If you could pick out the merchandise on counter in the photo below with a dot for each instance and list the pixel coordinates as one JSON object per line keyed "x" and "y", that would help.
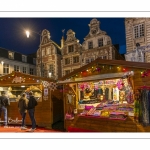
{"x": 88, "y": 107}
{"x": 117, "y": 115}
{"x": 91, "y": 111}
{"x": 97, "y": 113}
{"x": 104, "y": 114}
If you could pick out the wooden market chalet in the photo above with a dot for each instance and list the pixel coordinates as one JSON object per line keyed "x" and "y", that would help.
{"x": 45, "y": 91}
{"x": 107, "y": 96}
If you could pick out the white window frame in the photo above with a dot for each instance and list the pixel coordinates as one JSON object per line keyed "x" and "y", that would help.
{"x": 5, "y": 68}
{"x": 24, "y": 69}
{"x": 16, "y": 68}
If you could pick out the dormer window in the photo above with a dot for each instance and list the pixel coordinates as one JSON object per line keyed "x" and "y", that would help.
{"x": 70, "y": 48}
{"x": 24, "y": 58}
{"x": 100, "y": 42}
{"x": 90, "y": 45}
{"x": 11, "y": 55}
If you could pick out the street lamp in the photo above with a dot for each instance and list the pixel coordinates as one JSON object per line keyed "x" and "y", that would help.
{"x": 40, "y": 34}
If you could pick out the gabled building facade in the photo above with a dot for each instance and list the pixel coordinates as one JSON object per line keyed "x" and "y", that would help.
{"x": 138, "y": 32}
{"x": 59, "y": 61}
{"x": 97, "y": 44}
{"x": 48, "y": 57}
{"x": 71, "y": 53}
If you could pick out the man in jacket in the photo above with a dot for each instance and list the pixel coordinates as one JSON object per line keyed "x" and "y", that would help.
{"x": 22, "y": 106}
{"x": 4, "y": 102}
{"x": 31, "y": 109}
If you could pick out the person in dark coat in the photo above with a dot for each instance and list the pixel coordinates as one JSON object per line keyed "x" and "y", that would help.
{"x": 4, "y": 102}
{"x": 31, "y": 110}
{"x": 22, "y": 106}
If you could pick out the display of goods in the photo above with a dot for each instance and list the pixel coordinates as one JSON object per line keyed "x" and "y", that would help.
{"x": 117, "y": 115}
{"x": 88, "y": 101}
{"x": 99, "y": 108}
{"x": 69, "y": 116}
{"x": 104, "y": 114}
{"x": 97, "y": 113}
{"x": 110, "y": 102}
{"x": 88, "y": 107}
{"x": 112, "y": 107}
{"x": 91, "y": 111}
{"x": 125, "y": 108}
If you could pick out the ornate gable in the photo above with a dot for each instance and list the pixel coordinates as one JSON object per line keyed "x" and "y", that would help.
{"x": 70, "y": 36}
{"x": 45, "y": 36}
{"x": 94, "y": 29}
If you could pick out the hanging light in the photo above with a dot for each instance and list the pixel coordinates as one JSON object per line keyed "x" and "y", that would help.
{"x": 27, "y": 33}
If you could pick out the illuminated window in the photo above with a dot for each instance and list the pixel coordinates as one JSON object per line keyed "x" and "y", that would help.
{"x": 51, "y": 69}
{"x": 11, "y": 55}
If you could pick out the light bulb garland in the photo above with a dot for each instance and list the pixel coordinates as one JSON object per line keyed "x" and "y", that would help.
{"x": 99, "y": 69}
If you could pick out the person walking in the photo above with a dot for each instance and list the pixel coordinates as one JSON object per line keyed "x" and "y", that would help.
{"x": 4, "y": 102}
{"x": 22, "y": 106}
{"x": 31, "y": 110}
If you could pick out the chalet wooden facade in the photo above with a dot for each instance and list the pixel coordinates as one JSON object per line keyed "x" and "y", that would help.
{"x": 98, "y": 72}
{"x": 48, "y": 98}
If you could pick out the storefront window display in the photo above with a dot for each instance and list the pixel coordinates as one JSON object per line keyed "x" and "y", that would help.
{"x": 106, "y": 98}
{"x": 15, "y": 92}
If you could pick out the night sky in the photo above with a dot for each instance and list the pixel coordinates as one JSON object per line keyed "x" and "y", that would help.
{"x": 12, "y": 31}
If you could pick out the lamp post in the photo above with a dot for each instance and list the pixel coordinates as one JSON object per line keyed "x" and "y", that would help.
{"x": 40, "y": 34}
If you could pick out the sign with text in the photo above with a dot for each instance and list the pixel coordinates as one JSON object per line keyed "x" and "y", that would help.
{"x": 45, "y": 91}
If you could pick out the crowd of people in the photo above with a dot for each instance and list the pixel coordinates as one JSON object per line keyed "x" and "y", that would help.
{"x": 24, "y": 105}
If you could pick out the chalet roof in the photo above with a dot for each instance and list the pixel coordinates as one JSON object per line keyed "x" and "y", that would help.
{"x": 7, "y": 80}
{"x": 123, "y": 63}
